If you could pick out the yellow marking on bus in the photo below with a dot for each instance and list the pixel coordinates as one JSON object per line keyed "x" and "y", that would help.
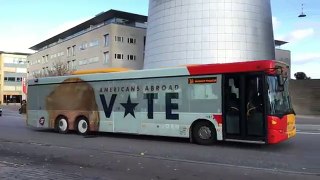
{"x": 291, "y": 128}
{"x": 105, "y": 70}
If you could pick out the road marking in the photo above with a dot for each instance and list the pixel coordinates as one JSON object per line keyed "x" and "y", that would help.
{"x": 309, "y": 133}
{"x": 128, "y": 154}
{"x": 314, "y": 125}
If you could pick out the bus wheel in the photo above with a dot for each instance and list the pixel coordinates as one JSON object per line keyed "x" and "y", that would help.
{"x": 62, "y": 125}
{"x": 204, "y": 133}
{"x": 83, "y": 126}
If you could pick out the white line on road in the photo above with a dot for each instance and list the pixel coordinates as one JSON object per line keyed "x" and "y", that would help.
{"x": 313, "y": 125}
{"x": 309, "y": 133}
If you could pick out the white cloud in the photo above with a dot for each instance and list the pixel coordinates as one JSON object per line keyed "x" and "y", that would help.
{"x": 304, "y": 58}
{"x": 298, "y": 35}
{"x": 275, "y": 23}
{"x": 17, "y": 39}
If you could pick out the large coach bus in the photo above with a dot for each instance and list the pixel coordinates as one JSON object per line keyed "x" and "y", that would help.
{"x": 244, "y": 101}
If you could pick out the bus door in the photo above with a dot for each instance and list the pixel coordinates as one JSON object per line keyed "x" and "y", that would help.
{"x": 244, "y": 112}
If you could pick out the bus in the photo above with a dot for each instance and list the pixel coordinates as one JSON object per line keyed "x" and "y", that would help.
{"x": 241, "y": 101}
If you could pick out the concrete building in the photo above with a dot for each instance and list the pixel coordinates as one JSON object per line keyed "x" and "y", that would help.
{"x": 13, "y": 69}
{"x": 282, "y": 54}
{"x": 212, "y": 31}
{"x": 110, "y": 39}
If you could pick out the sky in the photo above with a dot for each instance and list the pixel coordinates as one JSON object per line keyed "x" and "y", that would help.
{"x": 24, "y": 23}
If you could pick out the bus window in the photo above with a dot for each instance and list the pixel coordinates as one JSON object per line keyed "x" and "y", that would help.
{"x": 254, "y": 107}
{"x": 233, "y": 106}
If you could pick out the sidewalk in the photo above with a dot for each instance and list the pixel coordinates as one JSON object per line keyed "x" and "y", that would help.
{"x": 12, "y": 107}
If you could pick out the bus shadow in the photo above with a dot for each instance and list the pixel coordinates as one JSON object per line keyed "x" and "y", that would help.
{"x": 282, "y": 146}
{"x": 139, "y": 137}
{"x": 221, "y": 144}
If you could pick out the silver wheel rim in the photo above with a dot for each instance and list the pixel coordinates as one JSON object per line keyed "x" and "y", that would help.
{"x": 63, "y": 125}
{"x": 82, "y": 126}
{"x": 205, "y": 132}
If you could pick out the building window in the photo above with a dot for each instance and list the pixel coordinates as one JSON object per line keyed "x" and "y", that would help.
{"x": 131, "y": 57}
{"x": 68, "y": 52}
{"x": 106, "y": 57}
{"x": 11, "y": 79}
{"x": 73, "y": 50}
{"x": 19, "y": 79}
{"x": 131, "y": 40}
{"x": 73, "y": 65}
{"x": 118, "y": 56}
{"x": 93, "y": 43}
{"x": 118, "y": 38}
{"x": 69, "y": 65}
{"x": 106, "y": 40}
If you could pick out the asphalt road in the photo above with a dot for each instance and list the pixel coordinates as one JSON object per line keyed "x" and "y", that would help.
{"x": 26, "y": 153}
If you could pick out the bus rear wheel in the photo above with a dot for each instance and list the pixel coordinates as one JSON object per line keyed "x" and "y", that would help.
{"x": 204, "y": 133}
{"x": 62, "y": 125}
{"x": 83, "y": 126}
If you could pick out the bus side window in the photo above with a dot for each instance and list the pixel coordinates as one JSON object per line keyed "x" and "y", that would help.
{"x": 233, "y": 95}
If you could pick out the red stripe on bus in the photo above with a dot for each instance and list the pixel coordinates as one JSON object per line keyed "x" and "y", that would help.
{"x": 277, "y": 129}
{"x": 249, "y": 66}
{"x": 218, "y": 118}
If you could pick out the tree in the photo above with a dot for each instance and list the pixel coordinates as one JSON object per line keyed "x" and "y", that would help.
{"x": 58, "y": 69}
{"x": 301, "y": 76}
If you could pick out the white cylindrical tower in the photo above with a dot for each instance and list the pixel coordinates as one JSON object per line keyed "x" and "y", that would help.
{"x": 208, "y": 31}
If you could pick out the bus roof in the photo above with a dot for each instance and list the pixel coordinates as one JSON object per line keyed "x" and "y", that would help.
{"x": 193, "y": 70}
{"x": 248, "y": 66}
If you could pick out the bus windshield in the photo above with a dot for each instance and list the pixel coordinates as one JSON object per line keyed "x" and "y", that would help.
{"x": 278, "y": 97}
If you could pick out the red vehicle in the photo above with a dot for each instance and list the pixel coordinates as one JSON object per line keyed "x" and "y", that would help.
{"x": 256, "y": 101}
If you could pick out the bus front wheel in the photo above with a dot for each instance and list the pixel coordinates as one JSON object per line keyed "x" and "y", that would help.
{"x": 204, "y": 133}
{"x": 62, "y": 125}
{"x": 83, "y": 126}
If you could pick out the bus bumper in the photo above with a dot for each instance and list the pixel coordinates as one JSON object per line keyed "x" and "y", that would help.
{"x": 276, "y": 136}
{"x": 281, "y": 129}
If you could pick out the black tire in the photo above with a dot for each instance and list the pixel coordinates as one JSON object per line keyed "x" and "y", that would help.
{"x": 83, "y": 126}
{"x": 204, "y": 133}
{"x": 62, "y": 125}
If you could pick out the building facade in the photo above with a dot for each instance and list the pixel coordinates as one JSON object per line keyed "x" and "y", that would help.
{"x": 13, "y": 70}
{"x": 109, "y": 40}
{"x": 212, "y": 31}
{"x": 282, "y": 54}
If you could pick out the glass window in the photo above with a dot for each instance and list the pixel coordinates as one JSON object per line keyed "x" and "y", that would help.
{"x": 73, "y": 50}
{"x": 131, "y": 57}
{"x": 279, "y": 100}
{"x": 119, "y": 38}
{"x": 131, "y": 40}
{"x": 106, "y": 40}
{"x": 68, "y": 51}
{"x": 11, "y": 79}
{"x": 203, "y": 91}
{"x": 118, "y": 56}
{"x": 106, "y": 57}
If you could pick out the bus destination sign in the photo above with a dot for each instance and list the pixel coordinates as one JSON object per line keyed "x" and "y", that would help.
{"x": 202, "y": 80}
